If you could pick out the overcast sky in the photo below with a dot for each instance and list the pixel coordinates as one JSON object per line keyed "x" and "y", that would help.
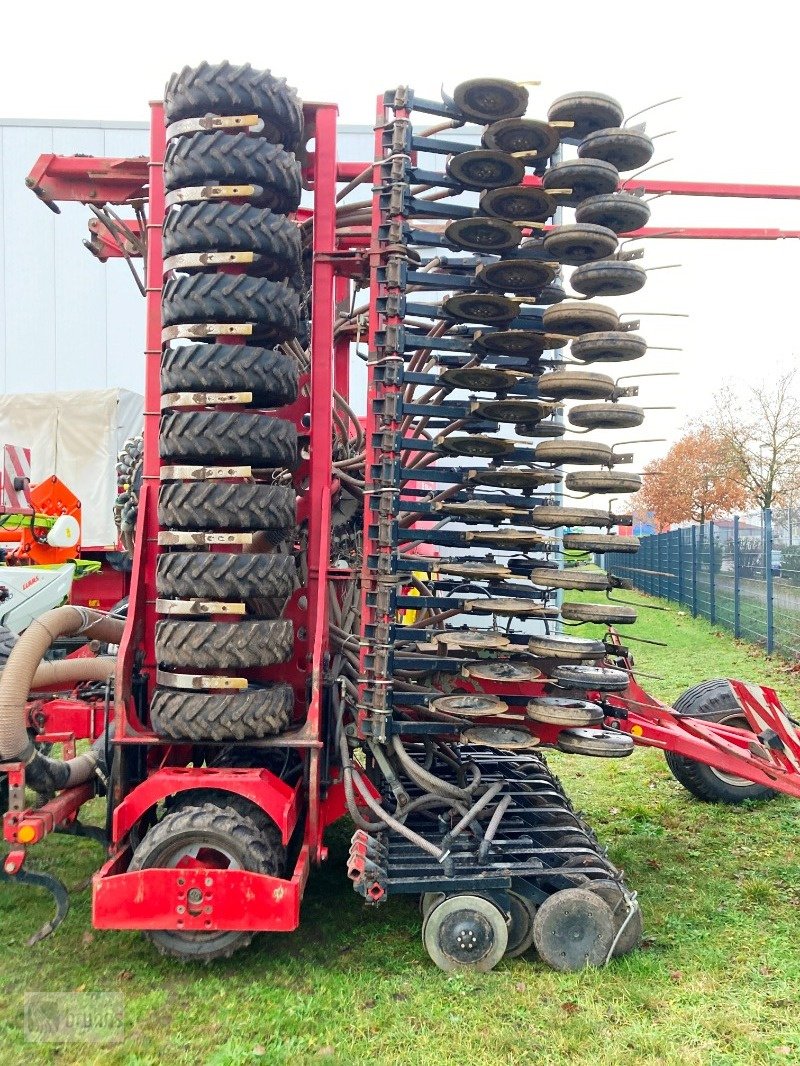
{"x": 734, "y": 66}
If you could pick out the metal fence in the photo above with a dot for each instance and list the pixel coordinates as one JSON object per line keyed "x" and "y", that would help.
{"x": 731, "y": 573}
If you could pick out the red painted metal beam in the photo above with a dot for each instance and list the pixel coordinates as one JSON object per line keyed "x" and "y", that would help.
{"x": 88, "y": 179}
{"x": 714, "y": 233}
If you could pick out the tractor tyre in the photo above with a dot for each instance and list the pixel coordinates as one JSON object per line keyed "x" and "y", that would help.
{"x": 223, "y": 645}
{"x": 221, "y": 158}
{"x": 226, "y": 89}
{"x": 272, "y": 307}
{"x": 713, "y": 701}
{"x": 254, "y": 714}
{"x": 225, "y": 577}
{"x": 269, "y": 375}
{"x": 219, "y": 797}
{"x": 228, "y": 438}
{"x": 208, "y": 505}
{"x": 226, "y": 227}
{"x": 226, "y": 840}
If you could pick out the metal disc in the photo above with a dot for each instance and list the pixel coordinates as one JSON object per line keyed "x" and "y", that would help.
{"x": 562, "y": 646}
{"x": 522, "y": 135}
{"x": 524, "y": 276}
{"x": 487, "y": 307}
{"x": 490, "y": 99}
{"x": 593, "y": 678}
{"x": 508, "y": 672}
{"x": 481, "y": 378}
{"x": 518, "y": 203}
{"x": 517, "y": 607}
{"x": 573, "y": 929}
{"x": 520, "y": 930}
{"x": 466, "y": 933}
{"x": 500, "y": 737}
{"x": 470, "y": 705}
{"x": 514, "y": 410}
{"x": 485, "y": 169}
{"x": 471, "y": 638}
{"x": 514, "y": 477}
{"x": 557, "y": 710}
{"x": 481, "y": 234}
{"x": 600, "y": 743}
{"x": 474, "y": 445}
{"x": 620, "y": 906}
{"x": 477, "y": 570}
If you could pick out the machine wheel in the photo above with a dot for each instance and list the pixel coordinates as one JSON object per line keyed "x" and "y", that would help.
{"x": 465, "y": 933}
{"x": 612, "y": 893}
{"x": 623, "y": 148}
{"x": 490, "y": 99}
{"x": 606, "y": 416}
{"x": 601, "y": 542}
{"x": 608, "y": 279}
{"x": 520, "y": 930}
{"x": 522, "y": 135}
{"x": 213, "y": 838}
{"x": 613, "y": 614}
{"x": 608, "y": 347}
{"x": 545, "y": 428}
{"x": 563, "y": 646}
{"x": 576, "y": 385}
{"x": 519, "y": 203}
{"x": 272, "y": 306}
{"x": 225, "y": 227}
{"x": 524, "y": 276}
{"x": 559, "y": 710}
{"x": 485, "y": 307}
{"x": 491, "y": 235}
{"x": 588, "y": 111}
{"x": 228, "y": 437}
{"x": 552, "y": 517}
{"x": 584, "y": 177}
{"x": 197, "y": 716}
{"x": 269, "y": 375}
{"x": 602, "y": 481}
{"x": 209, "y": 505}
{"x": 232, "y": 159}
{"x": 245, "y": 808}
{"x": 573, "y": 928}
{"x": 580, "y": 452}
{"x": 209, "y": 645}
{"x": 575, "y": 318}
{"x": 594, "y": 679}
{"x": 474, "y": 445}
{"x": 515, "y": 477}
{"x": 713, "y": 701}
{"x": 621, "y": 211}
{"x": 576, "y": 245}
{"x": 226, "y": 89}
{"x": 599, "y": 743}
{"x": 583, "y": 580}
{"x": 223, "y": 576}
{"x": 484, "y": 169}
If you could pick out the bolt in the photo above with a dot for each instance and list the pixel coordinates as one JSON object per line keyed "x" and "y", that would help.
{"x": 194, "y": 895}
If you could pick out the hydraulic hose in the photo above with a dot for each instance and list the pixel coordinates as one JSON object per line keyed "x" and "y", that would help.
{"x": 426, "y": 780}
{"x": 18, "y": 678}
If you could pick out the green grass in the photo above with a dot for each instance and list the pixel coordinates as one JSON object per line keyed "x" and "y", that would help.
{"x": 715, "y": 983}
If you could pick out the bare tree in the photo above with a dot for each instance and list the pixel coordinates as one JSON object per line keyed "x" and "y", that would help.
{"x": 761, "y": 426}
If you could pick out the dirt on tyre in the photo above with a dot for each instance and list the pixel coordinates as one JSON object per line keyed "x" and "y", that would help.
{"x": 713, "y": 701}
{"x": 223, "y": 645}
{"x": 208, "y": 505}
{"x": 272, "y": 308}
{"x": 225, "y": 577}
{"x": 206, "y": 159}
{"x": 269, "y": 375}
{"x": 225, "y": 227}
{"x": 223, "y": 839}
{"x": 228, "y": 437}
{"x": 254, "y": 714}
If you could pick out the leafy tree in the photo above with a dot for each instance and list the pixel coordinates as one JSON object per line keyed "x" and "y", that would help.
{"x": 761, "y": 428}
{"x": 694, "y": 482}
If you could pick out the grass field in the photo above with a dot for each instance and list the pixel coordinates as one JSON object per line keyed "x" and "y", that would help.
{"x": 715, "y": 983}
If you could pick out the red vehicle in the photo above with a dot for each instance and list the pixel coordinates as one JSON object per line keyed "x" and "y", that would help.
{"x": 265, "y": 684}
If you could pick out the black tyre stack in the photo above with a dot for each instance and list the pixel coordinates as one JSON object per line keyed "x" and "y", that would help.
{"x": 229, "y": 188}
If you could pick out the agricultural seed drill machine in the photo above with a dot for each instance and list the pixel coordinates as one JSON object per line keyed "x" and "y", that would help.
{"x": 329, "y": 616}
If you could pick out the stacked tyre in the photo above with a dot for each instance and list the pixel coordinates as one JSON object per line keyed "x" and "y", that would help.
{"x": 233, "y": 273}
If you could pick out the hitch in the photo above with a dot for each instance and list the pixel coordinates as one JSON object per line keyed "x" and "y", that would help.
{"x": 13, "y": 870}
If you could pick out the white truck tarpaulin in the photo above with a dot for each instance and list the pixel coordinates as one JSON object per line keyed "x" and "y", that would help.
{"x": 76, "y": 436}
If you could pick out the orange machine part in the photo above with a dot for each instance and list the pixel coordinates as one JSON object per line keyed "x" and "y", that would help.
{"x": 50, "y": 497}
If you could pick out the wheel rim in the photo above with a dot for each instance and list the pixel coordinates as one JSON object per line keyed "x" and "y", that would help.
{"x": 740, "y": 722}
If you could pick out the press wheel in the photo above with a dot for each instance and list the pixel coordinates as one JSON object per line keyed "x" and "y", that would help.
{"x": 488, "y": 169}
{"x": 518, "y": 203}
{"x": 621, "y": 212}
{"x": 575, "y": 318}
{"x": 608, "y": 278}
{"x": 483, "y": 235}
{"x": 558, "y": 710}
{"x": 474, "y": 445}
{"x": 522, "y": 135}
{"x": 575, "y": 245}
{"x": 465, "y": 933}
{"x": 490, "y": 99}
{"x": 587, "y": 111}
{"x": 520, "y": 930}
{"x": 606, "y": 416}
{"x": 484, "y": 307}
{"x": 620, "y": 906}
{"x": 524, "y": 276}
{"x": 510, "y": 477}
{"x": 573, "y": 929}
{"x": 470, "y": 705}
{"x": 626, "y": 149}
